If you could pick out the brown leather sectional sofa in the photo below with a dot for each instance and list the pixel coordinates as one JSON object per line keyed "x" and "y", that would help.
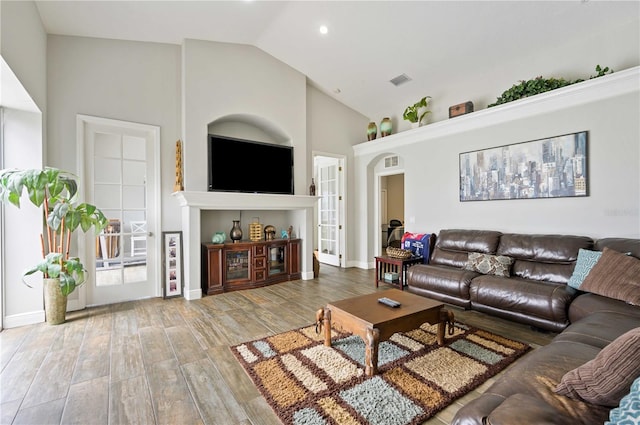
{"x": 535, "y": 294}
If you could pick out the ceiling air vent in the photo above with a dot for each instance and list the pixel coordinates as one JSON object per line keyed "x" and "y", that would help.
{"x": 391, "y": 161}
{"x": 400, "y": 79}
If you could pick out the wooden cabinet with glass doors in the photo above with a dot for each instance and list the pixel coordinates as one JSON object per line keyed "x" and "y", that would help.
{"x": 244, "y": 265}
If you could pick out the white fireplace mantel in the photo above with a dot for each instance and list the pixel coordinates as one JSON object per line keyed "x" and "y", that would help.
{"x": 192, "y": 203}
{"x": 244, "y": 201}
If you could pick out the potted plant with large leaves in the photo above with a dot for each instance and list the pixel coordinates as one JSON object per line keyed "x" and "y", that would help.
{"x": 55, "y": 191}
{"x": 415, "y": 113}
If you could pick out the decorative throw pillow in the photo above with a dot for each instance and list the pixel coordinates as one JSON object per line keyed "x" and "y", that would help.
{"x": 628, "y": 412}
{"x": 615, "y": 275}
{"x": 499, "y": 265}
{"x": 586, "y": 260}
{"x": 607, "y": 378}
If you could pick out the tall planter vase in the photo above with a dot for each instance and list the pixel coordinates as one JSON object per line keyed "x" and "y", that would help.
{"x": 385, "y": 127}
{"x": 372, "y": 131}
{"x": 55, "y": 304}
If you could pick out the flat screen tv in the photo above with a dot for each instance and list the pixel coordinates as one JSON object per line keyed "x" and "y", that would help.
{"x": 237, "y": 165}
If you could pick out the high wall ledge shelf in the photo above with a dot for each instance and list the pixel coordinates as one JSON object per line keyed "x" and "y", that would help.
{"x": 594, "y": 90}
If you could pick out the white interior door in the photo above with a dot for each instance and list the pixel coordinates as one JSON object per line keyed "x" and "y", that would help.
{"x": 121, "y": 175}
{"x": 329, "y": 178}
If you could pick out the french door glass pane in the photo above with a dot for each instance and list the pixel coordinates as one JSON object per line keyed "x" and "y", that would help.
{"x": 107, "y": 145}
{"x": 133, "y": 172}
{"x": 120, "y": 192}
{"x": 134, "y": 148}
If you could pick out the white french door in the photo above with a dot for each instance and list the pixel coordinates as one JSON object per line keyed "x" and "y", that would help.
{"x": 330, "y": 183}
{"x": 121, "y": 177}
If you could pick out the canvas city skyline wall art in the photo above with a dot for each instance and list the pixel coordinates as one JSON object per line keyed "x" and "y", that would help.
{"x": 546, "y": 168}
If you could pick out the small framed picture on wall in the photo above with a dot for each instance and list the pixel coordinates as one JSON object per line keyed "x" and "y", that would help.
{"x": 172, "y": 264}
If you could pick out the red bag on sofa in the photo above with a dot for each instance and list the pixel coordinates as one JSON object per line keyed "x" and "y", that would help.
{"x": 418, "y": 243}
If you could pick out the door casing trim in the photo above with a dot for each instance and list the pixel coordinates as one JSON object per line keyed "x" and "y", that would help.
{"x": 82, "y": 121}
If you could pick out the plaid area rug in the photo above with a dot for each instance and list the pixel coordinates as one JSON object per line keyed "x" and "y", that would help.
{"x": 308, "y": 383}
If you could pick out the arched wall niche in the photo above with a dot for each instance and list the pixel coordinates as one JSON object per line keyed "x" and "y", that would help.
{"x": 250, "y": 127}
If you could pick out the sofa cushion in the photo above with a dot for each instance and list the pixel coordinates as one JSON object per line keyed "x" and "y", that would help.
{"x": 586, "y": 260}
{"x": 543, "y": 248}
{"x": 615, "y": 275}
{"x": 548, "y": 258}
{"x": 599, "y": 329}
{"x": 540, "y": 304}
{"x": 498, "y": 265}
{"x": 441, "y": 283}
{"x": 453, "y": 245}
{"x": 586, "y": 304}
{"x": 625, "y": 245}
{"x": 608, "y": 377}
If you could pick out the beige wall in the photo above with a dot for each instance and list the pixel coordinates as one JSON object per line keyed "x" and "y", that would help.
{"x": 122, "y": 80}
{"x": 220, "y": 80}
{"x": 23, "y": 50}
{"x": 573, "y": 57}
{"x": 23, "y": 45}
{"x": 332, "y": 129}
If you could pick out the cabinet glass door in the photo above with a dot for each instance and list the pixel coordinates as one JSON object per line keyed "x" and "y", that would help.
{"x": 237, "y": 265}
{"x": 276, "y": 260}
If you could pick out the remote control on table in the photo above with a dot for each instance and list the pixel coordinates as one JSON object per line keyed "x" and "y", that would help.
{"x": 389, "y": 302}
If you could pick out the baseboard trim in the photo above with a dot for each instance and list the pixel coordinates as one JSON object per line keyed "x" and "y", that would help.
{"x": 23, "y": 319}
{"x": 361, "y": 264}
{"x": 194, "y": 294}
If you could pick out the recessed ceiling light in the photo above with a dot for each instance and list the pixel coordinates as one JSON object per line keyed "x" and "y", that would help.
{"x": 323, "y": 29}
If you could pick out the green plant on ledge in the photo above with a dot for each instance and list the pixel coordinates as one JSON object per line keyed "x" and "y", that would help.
{"x": 540, "y": 85}
{"x": 412, "y": 113}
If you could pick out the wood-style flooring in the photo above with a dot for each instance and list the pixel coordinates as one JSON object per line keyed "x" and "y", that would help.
{"x": 160, "y": 361}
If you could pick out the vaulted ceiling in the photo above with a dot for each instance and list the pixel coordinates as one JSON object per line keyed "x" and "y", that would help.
{"x": 436, "y": 43}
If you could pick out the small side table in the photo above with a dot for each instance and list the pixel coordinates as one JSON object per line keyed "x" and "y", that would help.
{"x": 386, "y": 264}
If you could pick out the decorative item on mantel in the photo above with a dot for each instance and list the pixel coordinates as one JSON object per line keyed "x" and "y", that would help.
{"x": 269, "y": 233}
{"x": 372, "y": 131}
{"x": 179, "y": 185}
{"x": 218, "y": 237}
{"x": 255, "y": 229}
{"x": 460, "y": 109}
{"x": 385, "y": 127}
{"x": 236, "y": 232}
{"x": 312, "y": 188}
{"x": 416, "y": 112}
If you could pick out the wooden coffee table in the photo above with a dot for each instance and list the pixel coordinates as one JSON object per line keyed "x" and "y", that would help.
{"x": 375, "y": 322}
